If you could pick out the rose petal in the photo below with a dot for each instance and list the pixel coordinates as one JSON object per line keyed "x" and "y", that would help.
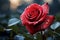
{"x": 45, "y": 8}
{"x": 47, "y": 23}
{"x": 41, "y": 19}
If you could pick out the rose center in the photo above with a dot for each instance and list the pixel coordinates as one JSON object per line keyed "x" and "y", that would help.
{"x": 34, "y": 13}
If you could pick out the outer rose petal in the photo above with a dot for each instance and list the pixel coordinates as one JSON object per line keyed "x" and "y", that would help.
{"x": 45, "y": 8}
{"x": 49, "y": 20}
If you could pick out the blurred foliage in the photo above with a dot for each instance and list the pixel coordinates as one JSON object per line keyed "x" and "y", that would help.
{"x": 1, "y": 28}
{"x": 58, "y": 17}
{"x": 15, "y": 29}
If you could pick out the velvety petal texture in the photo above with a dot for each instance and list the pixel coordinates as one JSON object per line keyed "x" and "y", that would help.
{"x": 35, "y": 17}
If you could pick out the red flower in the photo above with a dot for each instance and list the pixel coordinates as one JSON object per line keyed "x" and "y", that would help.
{"x": 35, "y": 17}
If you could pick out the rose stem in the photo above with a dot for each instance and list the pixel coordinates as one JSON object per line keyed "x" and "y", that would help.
{"x": 43, "y": 35}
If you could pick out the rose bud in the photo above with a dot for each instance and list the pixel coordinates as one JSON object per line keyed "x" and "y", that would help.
{"x": 35, "y": 17}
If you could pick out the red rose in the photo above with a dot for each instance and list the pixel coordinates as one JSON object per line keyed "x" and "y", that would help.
{"x": 35, "y": 17}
